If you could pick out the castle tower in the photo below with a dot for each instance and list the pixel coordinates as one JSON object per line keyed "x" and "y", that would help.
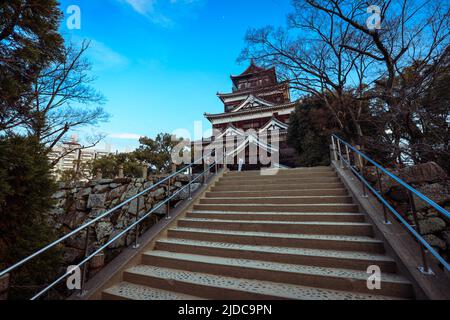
{"x": 257, "y": 101}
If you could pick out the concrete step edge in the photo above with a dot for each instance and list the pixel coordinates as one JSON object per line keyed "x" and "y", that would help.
{"x": 279, "y": 197}
{"x": 275, "y": 266}
{"x": 254, "y": 288}
{"x": 280, "y": 222}
{"x": 361, "y": 239}
{"x": 281, "y": 190}
{"x": 276, "y": 187}
{"x": 131, "y": 291}
{"x": 280, "y": 205}
{"x": 279, "y": 213}
{"x": 281, "y": 177}
{"x": 354, "y": 255}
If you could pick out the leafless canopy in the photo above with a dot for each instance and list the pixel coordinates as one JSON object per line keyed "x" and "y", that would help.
{"x": 328, "y": 50}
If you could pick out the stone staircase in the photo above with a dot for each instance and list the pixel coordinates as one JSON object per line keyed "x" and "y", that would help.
{"x": 293, "y": 235}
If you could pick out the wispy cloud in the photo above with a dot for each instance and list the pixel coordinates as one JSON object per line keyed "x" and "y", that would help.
{"x": 125, "y": 136}
{"x": 162, "y": 12}
{"x": 104, "y": 57}
{"x": 142, "y": 6}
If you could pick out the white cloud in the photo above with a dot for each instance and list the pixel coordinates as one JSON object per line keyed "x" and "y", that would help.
{"x": 102, "y": 56}
{"x": 125, "y": 136}
{"x": 158, "y": 11}
{"x": 142, "y": 6}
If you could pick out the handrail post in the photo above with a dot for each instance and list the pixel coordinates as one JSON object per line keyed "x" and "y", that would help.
{"x": 425, "y": 269}
{"x": 380, "y": 187}
{"x": 340, "y": 154}
{"x": 205, "y": 168}
{"x": 190, "y": 183}
{"x": 168, "y": 201}
{"x": 136, "y": 230}
{"x": 225, "y": 164}
{"x": 215, "y": 164}
{"x": 361, "y": 169}
{"x": 85, "y": 265}
{"x": 348, "y": 156}
{"x": 334, "y": 148}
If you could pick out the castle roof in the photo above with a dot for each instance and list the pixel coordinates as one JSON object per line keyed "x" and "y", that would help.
{"x": 277, "y": 87}
{"x": 255, "y": 71}
{"x": 245, "y": 111}
{"x": 252, "y": 69}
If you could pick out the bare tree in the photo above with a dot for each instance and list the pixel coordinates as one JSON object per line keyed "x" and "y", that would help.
{"x": 64, "y": 98}
{"x": 362, "y": 75}
{"x": 311, "y": 55}
{"x": 414, "y": 33}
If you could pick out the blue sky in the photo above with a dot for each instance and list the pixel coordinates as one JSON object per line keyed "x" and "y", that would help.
{"x": 160, "y": 63}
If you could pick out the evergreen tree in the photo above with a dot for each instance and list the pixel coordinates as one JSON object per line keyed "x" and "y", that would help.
{"x": 157, "y": 152}
{"x": 26, "y": 189}
{"x": 109, "y": 166}
{"x": 29, "y": 40}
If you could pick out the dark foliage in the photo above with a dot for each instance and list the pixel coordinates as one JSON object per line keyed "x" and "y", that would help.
{"x": 25, "y": 199}
{"x": 109, "y": 166}
{"x": 29, "y": 39}
{"x": 309, "y": 130}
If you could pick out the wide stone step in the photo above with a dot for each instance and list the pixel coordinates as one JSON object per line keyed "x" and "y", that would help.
{"x": 286, "y": 181}
{"x": 277, "y": 193}
{"x": 270, "y": 172}
{"x": 329, "y": 228}
{"x": 278, "y": 200}
{"x": 325, "y": 207}
{"x": 276, "y": 187}
{"x": 278, "y": 216}
{"x": 211, "y": 286}
{"x": 131, "y": 291}
{"x": 309, "y": 257}
{"x": 319, "y": 277}
{"x": 280, "y": 177}
{"x": 312, "y": 241}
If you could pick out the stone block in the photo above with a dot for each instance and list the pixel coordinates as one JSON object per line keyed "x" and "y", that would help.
{"x": 80, "y": 204}
{"x": 435, "y": 241}
{"x": 437, "y": 192}
{"x": 103, "y": 230}
{"x": 431, "y": 225}
{"x": 424, "y": 172}
{"x": 59, "y": 194}
{"x": 83, "y": 192}
{"x": 96, "y": 201}
{"x": 101, "y": 188}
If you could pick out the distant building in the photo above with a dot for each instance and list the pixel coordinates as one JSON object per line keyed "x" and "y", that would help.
{"x": 72, "y": 157}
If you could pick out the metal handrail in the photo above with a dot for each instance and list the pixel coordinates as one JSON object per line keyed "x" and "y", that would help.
{"x": 416, "y": 233}
{"x": 109, "y": 212}
{"x": 120, "y": 235}
{"x": 397, "y": 179}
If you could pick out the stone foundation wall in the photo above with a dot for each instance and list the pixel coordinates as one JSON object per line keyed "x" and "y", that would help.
{"x": 432, "y": 181}
{"x": 78, "y": 203}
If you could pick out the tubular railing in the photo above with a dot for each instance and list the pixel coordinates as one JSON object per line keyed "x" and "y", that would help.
{"x": 358, "y": 170}
{"x": 87, "y": 255}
